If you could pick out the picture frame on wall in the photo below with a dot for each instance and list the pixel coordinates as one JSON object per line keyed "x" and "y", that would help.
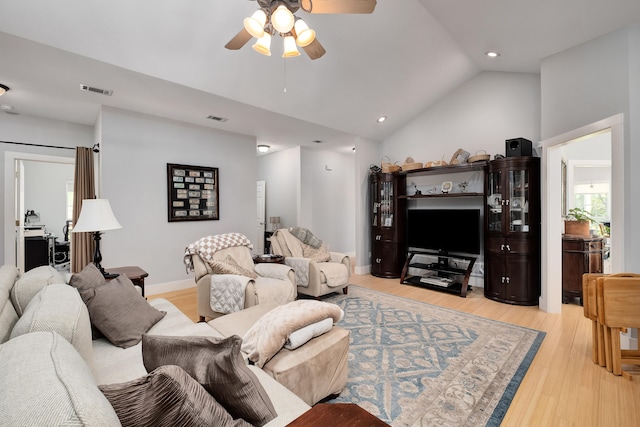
{"x": 192, "y": 193}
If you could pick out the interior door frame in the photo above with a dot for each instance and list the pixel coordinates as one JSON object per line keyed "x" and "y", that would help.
{"x": 12, "y": 218}
{"x": 551, "y": 294}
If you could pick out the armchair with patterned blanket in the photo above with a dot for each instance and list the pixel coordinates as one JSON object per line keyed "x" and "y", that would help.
{"x": 318, "y": 271}
{"x": 228, "y": 280}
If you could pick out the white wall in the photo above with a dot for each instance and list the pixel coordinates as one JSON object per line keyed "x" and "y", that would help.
{"x": 135, "y": 150}
{"x": 281, "y": 173}
{"x": 327, "y": 189}
{"x": 591, "y": 82}
{"x": 481, "y": 114}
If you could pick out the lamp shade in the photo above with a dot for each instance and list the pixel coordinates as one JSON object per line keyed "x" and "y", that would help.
{"x": 304, "y": 34}
{"x": 96, "y": 215}
{"x": 290, "y": 49}
{"x": 263, "y": 45}
{"x": 255, "y": 24}
{"x": 282, "y": 19}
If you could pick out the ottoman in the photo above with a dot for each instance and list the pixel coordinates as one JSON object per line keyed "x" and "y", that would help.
{"x": 313, "y": 371}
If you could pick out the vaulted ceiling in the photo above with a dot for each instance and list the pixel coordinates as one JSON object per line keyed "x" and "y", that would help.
{"x": 167, "y": 58}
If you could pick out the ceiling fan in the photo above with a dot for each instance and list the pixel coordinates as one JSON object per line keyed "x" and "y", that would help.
{"x": 277, "y": 17}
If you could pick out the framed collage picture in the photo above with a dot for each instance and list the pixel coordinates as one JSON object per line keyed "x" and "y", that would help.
{"x": 192, "y": 193}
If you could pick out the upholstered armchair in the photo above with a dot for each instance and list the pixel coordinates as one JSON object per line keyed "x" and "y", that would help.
{"x": 318, "y": 271}
{"x": 227, "y": 279}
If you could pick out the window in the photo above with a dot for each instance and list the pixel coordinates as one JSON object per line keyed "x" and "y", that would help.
{"x": 69, "y": 200}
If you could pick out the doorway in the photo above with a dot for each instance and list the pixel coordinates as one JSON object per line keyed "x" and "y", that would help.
{"x": 552, "y": 223}
{"x": 39, "y": 184}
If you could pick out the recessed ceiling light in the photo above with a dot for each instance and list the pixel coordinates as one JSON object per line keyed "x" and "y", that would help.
{"x": 492, "y": 54}
{"x": 3, "y": 89}
{"x": 317, "y": 141}
{"x": 381, "y": 119}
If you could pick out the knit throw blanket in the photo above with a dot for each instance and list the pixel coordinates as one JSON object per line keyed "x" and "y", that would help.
{"x": 206, "y": 246}
{"x": 270, "y": 333}
{"x": 306, "y": 236}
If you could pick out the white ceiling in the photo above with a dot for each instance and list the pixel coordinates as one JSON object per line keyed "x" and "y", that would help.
{"x": 166, "y": 58}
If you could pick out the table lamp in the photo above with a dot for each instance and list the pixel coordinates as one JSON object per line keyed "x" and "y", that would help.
{"x": 96, "y": 217}
{"x": 275, "y": 222}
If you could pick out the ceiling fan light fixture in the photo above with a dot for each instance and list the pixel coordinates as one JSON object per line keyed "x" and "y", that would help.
{"x": 282, "y": 19}
{"x": 304, "y": 35}
{"x": 255, "y": 23}
{"x": 263, "y": 148}
{"x": 263, "y": 45}
{"x": 290, "y": 49}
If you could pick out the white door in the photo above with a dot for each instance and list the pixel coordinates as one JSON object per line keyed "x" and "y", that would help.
{"x": 260, "y": 218}
{"x": 19, "y": 214}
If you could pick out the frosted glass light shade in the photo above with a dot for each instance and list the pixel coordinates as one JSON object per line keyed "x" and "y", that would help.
{"x": 96, "y": 215}
{"x": 282, "y": 19}
{"x": 290, "y": 49}
{"x": 263, "y": 45}
{"x": 304, "y": 34}
{"x": 255, "y": 24}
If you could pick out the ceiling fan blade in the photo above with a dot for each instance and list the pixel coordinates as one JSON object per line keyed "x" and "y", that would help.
{"x": 239, "y": 40}
{"x": 338, "y": 6}
{"x": 314, "y": 50}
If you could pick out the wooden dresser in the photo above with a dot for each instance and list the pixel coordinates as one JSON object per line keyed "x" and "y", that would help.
{"x": 579, "y": 255}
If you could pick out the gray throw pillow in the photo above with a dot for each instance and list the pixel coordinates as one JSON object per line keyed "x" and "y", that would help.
{"x": 217, "y": 364}
{"x": 168, "y": 397}
{"x": 120, "y": 312}
{"x": 89, "y": 278}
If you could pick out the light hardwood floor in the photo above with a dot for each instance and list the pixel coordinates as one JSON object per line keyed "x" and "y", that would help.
{"x": 561, "y": 388}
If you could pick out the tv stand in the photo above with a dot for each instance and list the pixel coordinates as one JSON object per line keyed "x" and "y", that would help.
{"x": 450, "y": 273}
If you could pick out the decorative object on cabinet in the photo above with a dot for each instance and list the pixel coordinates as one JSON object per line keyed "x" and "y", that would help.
{"x": 459, "y": 157}
{"x": 579, "y": 255}
{"x": 512, "y": 231}
{"x": 410, "y": 164}
{"x": 446, "y": 187}
{"x": 577, "y": 222}
{"x": 388, "y": 167}
{"x": 388, "y": 205}
{"x": 463, "y": 186}
{"x": 517, "y": 147}
{"x": 480, "y": 156}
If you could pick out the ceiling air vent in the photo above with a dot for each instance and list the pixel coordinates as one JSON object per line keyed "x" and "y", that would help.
{"x": 217, "y": 119}
{"x": 96, "y": 90}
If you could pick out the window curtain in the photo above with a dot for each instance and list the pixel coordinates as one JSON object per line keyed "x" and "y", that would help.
{"x": 82, "y": 244}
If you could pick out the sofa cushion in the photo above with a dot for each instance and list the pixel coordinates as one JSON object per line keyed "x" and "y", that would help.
{"x": 168, "y": 396}
{"x": 8, "y": 315}
{"x": 50, "y": 385}
{"x": 59, "y": 308}
{"x": 30, "y": 283}
{"x": 120, "y": 312}
{"x": 89, "y": 278}
{"x": 217, "y": 364}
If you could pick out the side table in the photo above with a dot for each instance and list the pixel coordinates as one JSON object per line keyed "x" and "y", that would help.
{"x": 337, "y": 415}
{"x": 134, "y": 273}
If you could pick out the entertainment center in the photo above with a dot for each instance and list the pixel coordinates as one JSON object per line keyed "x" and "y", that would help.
{"x": 437, "y": 247}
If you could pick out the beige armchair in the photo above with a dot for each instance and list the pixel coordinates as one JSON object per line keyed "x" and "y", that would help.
{"x": 271, "y": 283}
{"x": 313, "y": 277}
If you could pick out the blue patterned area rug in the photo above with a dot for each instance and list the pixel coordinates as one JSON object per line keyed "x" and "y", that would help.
{"x": 416, "y": 364}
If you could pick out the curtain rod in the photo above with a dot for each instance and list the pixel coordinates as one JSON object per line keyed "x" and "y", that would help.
{"x": 37, "y": 145}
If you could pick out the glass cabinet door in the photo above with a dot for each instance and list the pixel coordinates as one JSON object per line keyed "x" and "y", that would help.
{"x": 519, "y": 201}
{"x": 494, "y": 201}
{"x": 386, "y": 205}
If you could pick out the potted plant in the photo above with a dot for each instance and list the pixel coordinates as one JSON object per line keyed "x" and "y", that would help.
{"x": 577, "y": 221}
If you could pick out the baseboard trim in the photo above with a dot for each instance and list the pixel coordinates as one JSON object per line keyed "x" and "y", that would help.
{"x": 161, "y": 288}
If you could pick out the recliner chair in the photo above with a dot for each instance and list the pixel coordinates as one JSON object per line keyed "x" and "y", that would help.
{"x": 313, "y": 278}
{"x": 273, "y": 283}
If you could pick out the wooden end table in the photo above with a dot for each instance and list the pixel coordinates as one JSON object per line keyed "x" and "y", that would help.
{"x": 337, "y": 415}
{"x": 134, "y": 273}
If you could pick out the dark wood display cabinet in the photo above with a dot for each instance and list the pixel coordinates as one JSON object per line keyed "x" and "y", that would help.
{"x": 579, "y": 255}
{"x": 512, "y": 231}
{"x": 387, "y": 224}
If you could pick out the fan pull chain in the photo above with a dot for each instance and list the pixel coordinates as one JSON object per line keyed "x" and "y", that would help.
{"x": 285, "y": 75}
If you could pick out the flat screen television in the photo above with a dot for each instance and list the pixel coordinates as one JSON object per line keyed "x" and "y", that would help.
{"x": 444, "y": 230}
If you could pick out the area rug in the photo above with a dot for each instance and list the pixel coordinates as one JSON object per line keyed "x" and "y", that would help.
{"x": 416, "y": 364}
